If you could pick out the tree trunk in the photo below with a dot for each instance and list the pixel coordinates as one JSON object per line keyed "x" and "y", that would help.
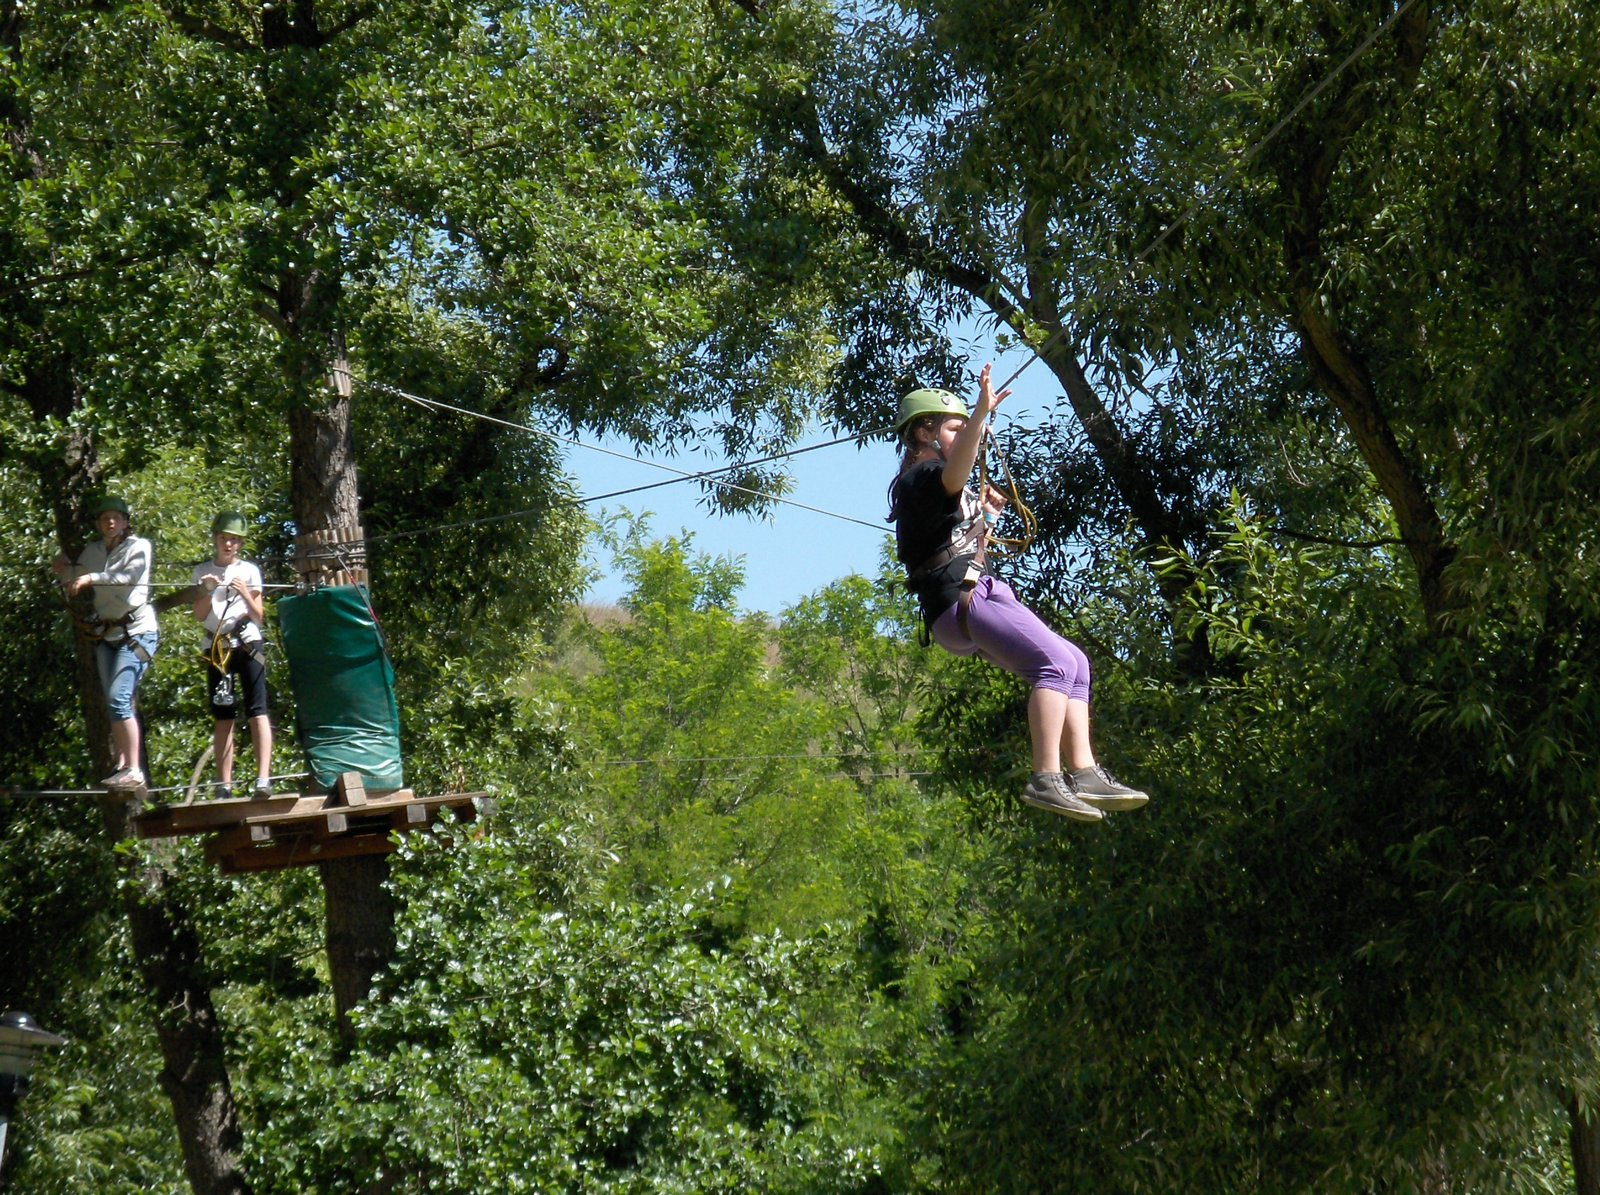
{"x": 1337, "y": 364}
{"x": 177, "y": 982}
{"x": 360, "y": 911}
{"x": 1585, "y": 1138}
{"x": 166, "y": 949}
{"x": 360, "y": 930}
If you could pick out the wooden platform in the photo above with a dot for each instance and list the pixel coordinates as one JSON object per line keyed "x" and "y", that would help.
{"x": 296, "y": 830}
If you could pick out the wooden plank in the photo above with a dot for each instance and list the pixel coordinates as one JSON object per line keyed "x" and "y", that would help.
{"x": 292, "y": 830}
{"x": 287, "y": 809}
{"x": 171, "y": 821}
{"x": 302, "y": 852}
{"x": 396, "y": 812}
{"x": 218, "y": 846}
{"x": 351, "y": 788}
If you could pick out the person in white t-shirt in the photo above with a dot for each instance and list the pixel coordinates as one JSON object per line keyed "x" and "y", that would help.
{"x": 229, "y": 605}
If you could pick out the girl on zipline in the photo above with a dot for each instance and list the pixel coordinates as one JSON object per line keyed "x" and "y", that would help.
{"x": 941, "y": 532}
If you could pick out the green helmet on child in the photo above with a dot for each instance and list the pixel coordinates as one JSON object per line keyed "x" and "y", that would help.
{"x": 229, "y": 522}
{"x": 927, "y": 402}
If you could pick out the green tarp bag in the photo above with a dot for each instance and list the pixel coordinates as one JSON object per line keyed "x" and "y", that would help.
{"x": 343, "y": 683}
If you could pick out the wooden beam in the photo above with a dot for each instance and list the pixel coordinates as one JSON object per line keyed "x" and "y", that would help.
{"x": 248, "y": 835}
{"x": 171, "y": 821}
{"x": 301, "y": 852}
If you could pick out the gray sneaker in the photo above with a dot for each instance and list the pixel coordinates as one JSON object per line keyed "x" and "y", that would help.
{"x": 1055, "y": 792}
{"x": 1104, "y": 791}
{"x": 222, "y": 792}
{"x": 262, "y": 790}
{"x": 124, "y": 778}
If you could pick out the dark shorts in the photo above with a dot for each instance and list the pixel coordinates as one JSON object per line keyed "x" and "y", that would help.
{"x": 246, "y": 677}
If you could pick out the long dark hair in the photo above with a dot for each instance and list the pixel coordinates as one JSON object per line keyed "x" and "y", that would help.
{"x": 909, "y": 447}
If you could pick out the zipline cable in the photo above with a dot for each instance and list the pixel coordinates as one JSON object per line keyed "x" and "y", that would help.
{"x": 7, "y": 790}
{"x": 163, "y": 578}
{"x": 682, "y": 474}
{"x": 908, "y": 753}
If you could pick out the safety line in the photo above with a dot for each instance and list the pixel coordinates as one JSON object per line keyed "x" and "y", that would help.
{"x": 682, "y": 474}
{"x": 1241, "y": 160}
{"x": 164, "y": 578}
{"x": 705, "y": 475}
{"x": 665, "y": 759}
{"x": 10, "y": 791}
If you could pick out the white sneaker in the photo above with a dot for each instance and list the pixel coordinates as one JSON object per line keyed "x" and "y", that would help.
{"x": 124, "y": 778}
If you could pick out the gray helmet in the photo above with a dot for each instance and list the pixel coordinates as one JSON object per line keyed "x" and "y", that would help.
{"x": 229, "y": 522}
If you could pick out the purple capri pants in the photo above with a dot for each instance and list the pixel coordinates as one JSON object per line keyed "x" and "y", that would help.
{"x": 1010, "y": 636}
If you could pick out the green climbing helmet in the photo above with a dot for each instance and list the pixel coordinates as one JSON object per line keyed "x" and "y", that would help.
{"x": 116, "y": 504}
{"x": 229, "y": 522}
{"x": 927, "y": 402}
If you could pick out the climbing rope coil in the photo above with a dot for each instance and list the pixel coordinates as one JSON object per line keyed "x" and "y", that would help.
{"x": 1005, "y": 547}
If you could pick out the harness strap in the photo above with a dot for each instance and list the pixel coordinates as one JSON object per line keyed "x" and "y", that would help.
{"x": 963, "y": 607}
{"x": 974, "y": 540}
{"x": 99, "y": 628}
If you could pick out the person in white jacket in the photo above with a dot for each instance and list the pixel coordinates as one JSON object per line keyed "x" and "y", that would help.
{"x": 118, "y": 566}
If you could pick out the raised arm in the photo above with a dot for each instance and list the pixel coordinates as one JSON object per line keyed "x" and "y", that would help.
{"x": 963, "y": 454}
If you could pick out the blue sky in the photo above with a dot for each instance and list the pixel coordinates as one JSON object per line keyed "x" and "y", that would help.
{"x": 794, "y": 552}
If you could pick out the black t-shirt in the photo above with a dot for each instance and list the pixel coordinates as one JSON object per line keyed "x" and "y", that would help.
{"x": 928, "y": 520}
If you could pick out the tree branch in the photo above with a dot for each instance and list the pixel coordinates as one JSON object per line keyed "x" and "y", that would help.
{"x": 361, "y": 13}
{"x": 1339, "y": 368}
{"x": 902, "y": 242}
{"x": 45, "y": 280}
{"x": 205, "y": 30}
{"x": 1308, "y": 537}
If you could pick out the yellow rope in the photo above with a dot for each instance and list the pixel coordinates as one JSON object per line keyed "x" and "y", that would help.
{"x": 219, "y": 653}
{"x": 1003, "y": 546}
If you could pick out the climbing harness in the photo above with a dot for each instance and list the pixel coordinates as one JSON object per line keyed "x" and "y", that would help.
{"x": 968, "y": 540}
{"x": 113, "y": 632}
{"x": 219, "y": 651}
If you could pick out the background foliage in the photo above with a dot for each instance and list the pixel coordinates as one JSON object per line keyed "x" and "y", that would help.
{"x": 755, "y": 906}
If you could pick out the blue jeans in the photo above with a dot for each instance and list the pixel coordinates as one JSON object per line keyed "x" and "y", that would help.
{"x": 121, "y": 668}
